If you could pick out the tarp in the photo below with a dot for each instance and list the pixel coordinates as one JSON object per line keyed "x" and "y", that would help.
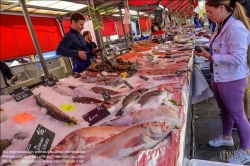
{"x": 109, "y": 27}
{"x": 143, "y": 23}
{"x": 142, "y": 2}
{"x": 120, "y": 31}
{"x": 16, "y": 40}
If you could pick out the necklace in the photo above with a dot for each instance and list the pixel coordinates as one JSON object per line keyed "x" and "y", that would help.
{"x": 220, "y": 25}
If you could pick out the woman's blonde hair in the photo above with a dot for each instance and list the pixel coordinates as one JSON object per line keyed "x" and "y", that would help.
{"x": 239, "y": 13}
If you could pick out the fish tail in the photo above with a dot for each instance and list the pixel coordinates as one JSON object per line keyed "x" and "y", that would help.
{"x": 120, "y": 112}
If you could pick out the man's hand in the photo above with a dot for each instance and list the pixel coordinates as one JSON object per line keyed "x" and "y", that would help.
{"x": 82, "y": 55}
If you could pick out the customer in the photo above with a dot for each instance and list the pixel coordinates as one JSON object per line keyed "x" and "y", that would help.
{"x": 158, "y": 35}
{"x": 90, "y": 47}
{"x": 72, "y": 44}
{"x": 6, "y": 72}
{"x": 202, "y": 21}
{"x": 229, "y": 52}
{"x": 196, "y": 21}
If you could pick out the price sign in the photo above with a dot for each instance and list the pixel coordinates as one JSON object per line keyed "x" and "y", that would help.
{"x": 104, "y": 58}
{"x": 144, "y": 78}
{"x": 41, "y": 141}
{"x": 24, "y": 117}
{"x": 96, "y": 115}
{"x": 134, "y": 66}
{"x": 67, "y": 107}
{"x": 21, "y": 93}
{"x": 128, "y": 85}
{"x": 95, "y": 17}
{"x": 150, "y": 58}
{"x": 93, "y": 60}
{"x": 105, "y": 95}
{"x": 51, "y": 81}
{"x": 54, "y": 78}
{"x": 131, "y": 71}
{"x": 113, "y": 61}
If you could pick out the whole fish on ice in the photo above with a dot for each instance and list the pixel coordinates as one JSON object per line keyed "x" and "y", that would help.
{"x": 82, "y": 91}
{"x": 154, "y": 97}
{"x": 98, "y": 89}
{"x": 82, "y": 139}
{"x": 86, "y": 100}
{"x": 129, "y": 142}
{"x": 53, "y": 111}
{"x": 128, "y": 101}
{"x": 163, "y": 113}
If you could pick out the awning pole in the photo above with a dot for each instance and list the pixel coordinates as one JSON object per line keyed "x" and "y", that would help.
{"x": 123, "y": 29}
{"x": 98, "y": 34}
{"x": 34, "y": 38}
{"x": 139, "y": 23}
{"x": 125, "y": 3}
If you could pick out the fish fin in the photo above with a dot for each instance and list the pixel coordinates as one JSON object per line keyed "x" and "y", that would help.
{"x": 136, "y": 141}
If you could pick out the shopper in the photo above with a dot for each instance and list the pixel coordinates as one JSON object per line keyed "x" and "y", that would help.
{"x": 196, "y": 21}
{"x": 7, "y": 74}
{"x": 91, "y": 47}
{"x": 72, "y": 44}
{"x": 158, "y": 35}
{"x": 202, "y": 21}
{"x": 229, "y": 53}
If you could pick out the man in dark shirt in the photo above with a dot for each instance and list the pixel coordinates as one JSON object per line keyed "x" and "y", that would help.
{"x": 91, "y": 47}
{"x": 73, "y": 45}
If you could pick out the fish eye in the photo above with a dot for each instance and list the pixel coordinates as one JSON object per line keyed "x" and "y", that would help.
{"x": 61, "y": 143}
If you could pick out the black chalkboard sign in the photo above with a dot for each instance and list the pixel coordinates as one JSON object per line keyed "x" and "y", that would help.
{"x": 158, "y": 16}
{"x": 131, "y": 71}
{"x": 95, "y": 17}
{"x": 144, "y": 78}
{"x": 150, "y": 57}
{"x": 113, "y": 61}
{"x": 128, "y": 85}
{"x": 93, "y": 60}
{"x": 21, "y": 93}
{"x": 134, "y": 66}
{"x": 41, "y": 142}
{"x": 51, "y": 81}
{"x": 96, "y": 115}
{"x": 105, "y": 95}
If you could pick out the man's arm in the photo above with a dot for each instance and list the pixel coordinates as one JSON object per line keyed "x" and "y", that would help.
{"x": 63, "y": 47}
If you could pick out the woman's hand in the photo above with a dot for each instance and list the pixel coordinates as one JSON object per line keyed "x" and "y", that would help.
{"x": 203, "y": 53}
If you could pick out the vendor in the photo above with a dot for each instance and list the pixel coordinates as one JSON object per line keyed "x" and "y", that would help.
{"x": 158, "y": 35}
{"x": 91, "y": 47}
{"x": 73, "y": 45}
{"x": 7, "y": 74}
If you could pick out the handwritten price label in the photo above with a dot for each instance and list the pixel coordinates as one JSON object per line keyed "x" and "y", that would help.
{"x": 67, "y": 107}
{"x": 24, "y": 117}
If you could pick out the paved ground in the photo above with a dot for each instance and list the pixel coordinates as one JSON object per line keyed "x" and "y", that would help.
{"x": 208, "y": 126}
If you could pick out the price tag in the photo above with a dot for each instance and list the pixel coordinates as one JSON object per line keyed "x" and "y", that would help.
{"x": 150, "y": 57}
{"x": 54, "y": 78}
{"x": 41, "y": 141}
{"x": 104, "y": 58}
{"x": 67, "y": 107}
{"x": 144, "y": 78}
{"x": 128, "y": 85}
{"x": 105, "y": 95}
{"x": 134, "y": 66}
{"x": 96, "y": 115}
{"x": 93, "y": 60}
{"x": 131, "y": 71}
{"x": 113, "y": 61}
{"x": 50, "y": 82}
{"x": 21, "y": 93}
{"x": 24, "y": 117}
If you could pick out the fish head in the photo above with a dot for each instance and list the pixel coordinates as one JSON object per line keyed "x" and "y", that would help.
{"x": 156, "y": 130}
{"x": 66, "y": 146}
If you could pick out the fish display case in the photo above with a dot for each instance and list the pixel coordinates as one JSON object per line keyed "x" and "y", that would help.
{"x": 144, "y": 99}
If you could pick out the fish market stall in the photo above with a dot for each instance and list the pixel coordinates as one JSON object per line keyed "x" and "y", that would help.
{"x": 128, "y": 110}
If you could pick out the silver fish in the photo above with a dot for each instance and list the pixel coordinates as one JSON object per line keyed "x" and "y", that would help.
{"x": 163, "y": 113}
{"x": 127, "y": 102}
{"x": 129, "y": 142}
{"x": 153, "y": 97}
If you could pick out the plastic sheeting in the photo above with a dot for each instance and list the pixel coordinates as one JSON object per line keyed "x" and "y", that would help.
{"x": 109, "y": 27}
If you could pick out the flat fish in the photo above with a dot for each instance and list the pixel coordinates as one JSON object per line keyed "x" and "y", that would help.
{"x": 129, "y": 142}
{"x": 65, "y": 90}
{"x": 82, "y": 139}
{"x": 86, "y": 100}
{"x": 127, "y": 102}
{"x": 153, "y": 97}
{"x": 98, "y": 89}
{"x": 53, "y": 111}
